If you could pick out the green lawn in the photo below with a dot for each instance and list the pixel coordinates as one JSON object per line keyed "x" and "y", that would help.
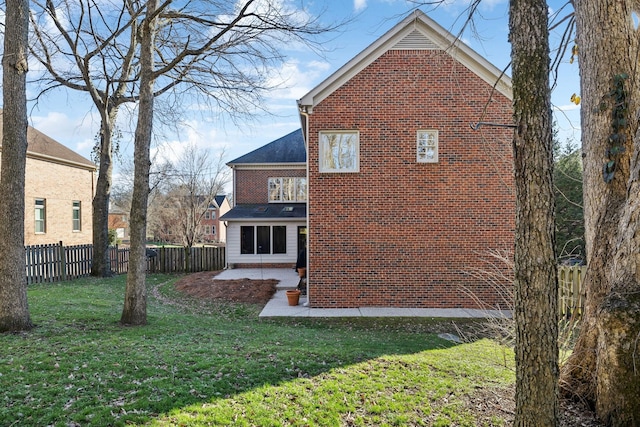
{"x": 218, "y": 364}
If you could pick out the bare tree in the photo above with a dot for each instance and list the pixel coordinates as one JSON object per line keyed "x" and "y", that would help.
{"x": 191, "y": 191}
{"x": 224, "y": 51}
{"x": 14, "y": 308}
{"x": 603, "y": 368}
{"x": 215, "y": 52}
{"x": 135, "y": 299}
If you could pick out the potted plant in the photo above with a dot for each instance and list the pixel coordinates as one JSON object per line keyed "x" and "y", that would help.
{"x": 293, "y": 296}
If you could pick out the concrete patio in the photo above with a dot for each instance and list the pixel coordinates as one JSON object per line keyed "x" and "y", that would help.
{"x": 278, "y": 306}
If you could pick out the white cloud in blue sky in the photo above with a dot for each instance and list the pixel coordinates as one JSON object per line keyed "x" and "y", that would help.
{"x": 358, "y": 5}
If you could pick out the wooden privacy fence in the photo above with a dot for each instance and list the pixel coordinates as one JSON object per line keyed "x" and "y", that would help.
{"x": 571, "y": 293}
{"x": 56, "y": 262}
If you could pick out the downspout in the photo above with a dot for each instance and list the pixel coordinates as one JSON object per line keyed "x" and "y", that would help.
{"x": 303, "y": 113}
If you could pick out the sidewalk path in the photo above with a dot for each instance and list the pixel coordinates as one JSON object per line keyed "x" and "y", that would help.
{"x": 279, "y": 307}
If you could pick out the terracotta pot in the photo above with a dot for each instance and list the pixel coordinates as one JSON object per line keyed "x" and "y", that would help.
{"x": 302, "y": 272}
{"x": 293, "y": 296}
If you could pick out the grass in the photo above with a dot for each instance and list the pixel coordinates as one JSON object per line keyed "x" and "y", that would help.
{"x": 200, "y": 363}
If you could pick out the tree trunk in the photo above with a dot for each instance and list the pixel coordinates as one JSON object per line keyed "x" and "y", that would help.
{"x": 535, "y": 260}
{"x": 603, "y": 367}
{"x": 14, "y": 309}
{"x": 135, "y": 304}
{"x": 101, "y": 264}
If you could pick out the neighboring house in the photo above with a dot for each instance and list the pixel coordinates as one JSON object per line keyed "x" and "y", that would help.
{"x": 406, "y": 200}
{"x": 175, "y": 211}
{"x": 59, "y": 189}
{"x": 267, "y": 225}
{"x": 213, "y": 230}
{"x": 119, "y": 221}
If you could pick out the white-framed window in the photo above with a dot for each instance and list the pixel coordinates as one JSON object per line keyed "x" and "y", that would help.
{"x": 287, "y": 189}
{"x": 339, "y": 151}
{"x": 40, "y": 216}
{"x": 207, "y": 230}
{"x": 75, "y": 216}
{"x": 207, "y": 215}
{"x": 427, "y": 146}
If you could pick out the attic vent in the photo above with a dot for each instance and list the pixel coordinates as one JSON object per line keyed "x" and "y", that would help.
{"x": 415, "y": 40}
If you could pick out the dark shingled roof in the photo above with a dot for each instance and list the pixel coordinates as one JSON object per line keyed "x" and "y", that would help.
{"x": 219, "y": 199}
{"x": 40, "y": 144}
{"x": 288, "y": 149}
{"x": 267, "y": 211}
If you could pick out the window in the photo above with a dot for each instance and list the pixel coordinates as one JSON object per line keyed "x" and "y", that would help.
{"x": 263, "y": 239}
{"x": 40, "y": 212}
{"x": 427, "y": 148}
{"x": 339, "y": 151}
{"x": 293, "y": 189}
{"x": 279, "y": 239}
{"x": 207, "y": 215}
{"x": 246, "y": 240}
{"x": 207, "y": 230}
{"x": 76, "y": 216}
{"x": 213, "y": 230}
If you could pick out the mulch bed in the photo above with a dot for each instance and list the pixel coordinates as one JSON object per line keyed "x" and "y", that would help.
{"x": 205, "y": 285}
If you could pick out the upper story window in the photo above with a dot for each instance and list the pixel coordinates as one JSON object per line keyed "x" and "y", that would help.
{"x": 427, "y": 148}
{"x": 75, "y": 216}
{"x": 339, "y": 151}
{"x": 293, "y": 189}
{"x": 40, "y": 216}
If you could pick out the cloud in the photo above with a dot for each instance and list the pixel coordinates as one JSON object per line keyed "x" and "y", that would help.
{"x": 359, "y": 5}
{"x": 76, "y": 133}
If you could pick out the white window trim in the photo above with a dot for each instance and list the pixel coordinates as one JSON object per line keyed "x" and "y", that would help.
{"x": 43, "y": 208}
{"x": 422, "y": 148}
{"x": 322, "y": 150}
{"x": 77, "y": 208}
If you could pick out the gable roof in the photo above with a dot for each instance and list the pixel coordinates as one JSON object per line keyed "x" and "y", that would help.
{"x": 415, "y": 32}
{"x": 288, "y": 149}
{"x": 219, "y": 199}
{"x": 43, "y": 147}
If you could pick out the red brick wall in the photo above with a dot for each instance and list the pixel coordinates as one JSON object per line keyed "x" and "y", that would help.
{"x": 252, "y": 186}
{"x": 401, "y": 233}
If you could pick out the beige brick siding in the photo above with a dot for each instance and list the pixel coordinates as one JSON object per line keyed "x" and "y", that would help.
{"x": 59, "y": 185}
{"x": 401, "y": 233}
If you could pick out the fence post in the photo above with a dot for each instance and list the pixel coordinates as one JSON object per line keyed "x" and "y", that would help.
{"x": 62, "y": 259}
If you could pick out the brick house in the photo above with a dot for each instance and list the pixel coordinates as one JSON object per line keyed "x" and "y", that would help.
{"x": 59, "y": 189}
{"x": 119, "y": 221}
{"x": 405, "y": 199}
{"x": 212, "y": 230}
{"x": 267, "y": 224}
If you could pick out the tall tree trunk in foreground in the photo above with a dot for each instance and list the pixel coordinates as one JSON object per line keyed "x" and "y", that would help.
{"x": 604, "y": 366}
{"x": 135, "y": 301}
{"x": 14, "y": 309}
{"x": 535, "y": 260}
{"x": 101, "y": 264}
